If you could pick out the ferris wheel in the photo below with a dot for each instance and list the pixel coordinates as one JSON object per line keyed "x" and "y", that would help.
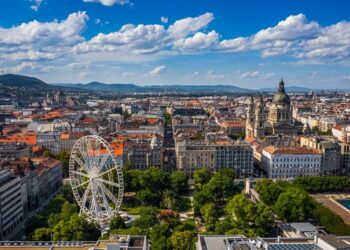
{"x": 96, "y": 179}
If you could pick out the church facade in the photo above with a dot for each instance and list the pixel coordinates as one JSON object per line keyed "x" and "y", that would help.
{"x": 275, "y": 119}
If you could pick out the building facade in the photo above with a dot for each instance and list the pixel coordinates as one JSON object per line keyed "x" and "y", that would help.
{"x": 330, "y": 151}
{"x": 11, "y": 203}
{"x": 11, "y": 151}
{"x": 192, "y": 155}
{"x": 290, "y": 162}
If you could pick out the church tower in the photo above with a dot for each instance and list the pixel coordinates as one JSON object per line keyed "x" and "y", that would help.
{"x": 250, "y": 118}
{"x": 259, "y": 125}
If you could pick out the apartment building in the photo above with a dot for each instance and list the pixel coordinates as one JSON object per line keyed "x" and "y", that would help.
{"x": 10, "y": 151}
{"x": 11, "y": 204}
{"x": 40, "y": 177}
{"x": 290, "y": 162}
{"x": 330, "y": 152}
{"x": 214, "y": 154}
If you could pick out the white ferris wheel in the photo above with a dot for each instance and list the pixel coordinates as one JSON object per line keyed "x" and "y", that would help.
{"x": 96, "y": 179}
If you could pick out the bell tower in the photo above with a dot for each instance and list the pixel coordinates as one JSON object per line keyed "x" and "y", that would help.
{"x": 259, "y": 126}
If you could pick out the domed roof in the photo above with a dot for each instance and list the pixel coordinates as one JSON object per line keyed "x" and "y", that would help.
{"x": 281, "y": 96}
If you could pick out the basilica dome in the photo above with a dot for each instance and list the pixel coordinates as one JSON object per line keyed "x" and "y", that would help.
{"x": 281, "y": 97}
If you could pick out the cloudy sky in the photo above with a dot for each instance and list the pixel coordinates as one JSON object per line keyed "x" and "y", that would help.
{"x": 245, "y": 43}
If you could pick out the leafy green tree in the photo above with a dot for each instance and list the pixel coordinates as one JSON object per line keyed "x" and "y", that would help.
{"x": 159, "y": 235}
{"x": 294, "y": 205}
{"x": 53, "y": 220}
{"x": 223, "y": 226}
{"x": 264, "y": 219}
{"x": 240, "y": 209}
{"x": 201, "y": 198}
{"x": 63, "y": 156}
{"x": 210, "y": 215}
{"x": 222, "y": 184}
{"x": 67, "y": 210}
{"x": 42, "y": 234}
{"x": 269, "y": 191}
{"x": 155, "y": 179}
{"x": 117, "y": 223}
{"x": 169, "y": 199}
{"x": 183, "y": 240}
{"x": 148, "y": 217}
{"x": 248, "y": 217}
{"x": 147, "y": 197}
{"x": 323, "y": 183}
{"x": 76, "y": 229}
{"x": 185, "y": 226}
{"x": 47, "y": 153}
{"x": 202, "y": 176}
{"x": 168, "y": 119}
{"x": 179, "y": 182}
{"x": 132, "y": 180}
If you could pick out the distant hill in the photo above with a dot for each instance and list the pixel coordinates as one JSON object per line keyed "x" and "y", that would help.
{"x": 127, "y": 87}
{"x": 12, "y": 80}
{"x": 289, "y": 89}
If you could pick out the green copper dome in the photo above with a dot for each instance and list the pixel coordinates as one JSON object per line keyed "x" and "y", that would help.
{"x": 281, "y": 96}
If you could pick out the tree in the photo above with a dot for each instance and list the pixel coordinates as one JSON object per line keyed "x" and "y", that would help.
{"x": 182, "y": 240}
{"x": 210, "y": 215}
{"x": 179, "y": 182}
{"x": 294, "y": 204}
{"x": 117, "y": 223}
{"x": 269, "y": 191}
{"x": 241, "y": 210}
{"x": 223, "y": 226}
{"x": 168, "y": 119}
{"x": 132, "y": 180}
{"x": 169, "y": 199}
{"x": 147, "y": 197}
{"x": 201, "y": 198}
{"x": 53, "y": 220}
{"x": 63, "y": 156}
{"x": 67, "y": 210}
{"x": 323, "y": 183}
{"x": 148, "y": 217}
{"x": 42, "y": 234}
{"x": 159, "y": 235}
{"x": 47, "y": 153}
{"x": 201, "y": 177}
{"x": 264, "y": 220}
{"x": 222, "y": 184}
{"x": 248, "y": 217}
{"x": 76, "y": 229}
{"x": 155, "y": 179}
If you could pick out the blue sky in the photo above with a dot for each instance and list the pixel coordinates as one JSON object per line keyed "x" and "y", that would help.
{"x": 245, "y": 43}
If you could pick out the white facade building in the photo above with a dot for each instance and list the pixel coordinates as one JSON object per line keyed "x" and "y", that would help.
{"x": 290, "y": 162}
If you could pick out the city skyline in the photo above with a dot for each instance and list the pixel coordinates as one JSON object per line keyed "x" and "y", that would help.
{"x": 249, "y": 45}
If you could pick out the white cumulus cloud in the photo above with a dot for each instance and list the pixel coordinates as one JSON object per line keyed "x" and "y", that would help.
{"x": 108, "y": 2}
{"x": 36, "y": 4}
{"x": 157, "y": 71}
{"x": 164, "y": 19}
